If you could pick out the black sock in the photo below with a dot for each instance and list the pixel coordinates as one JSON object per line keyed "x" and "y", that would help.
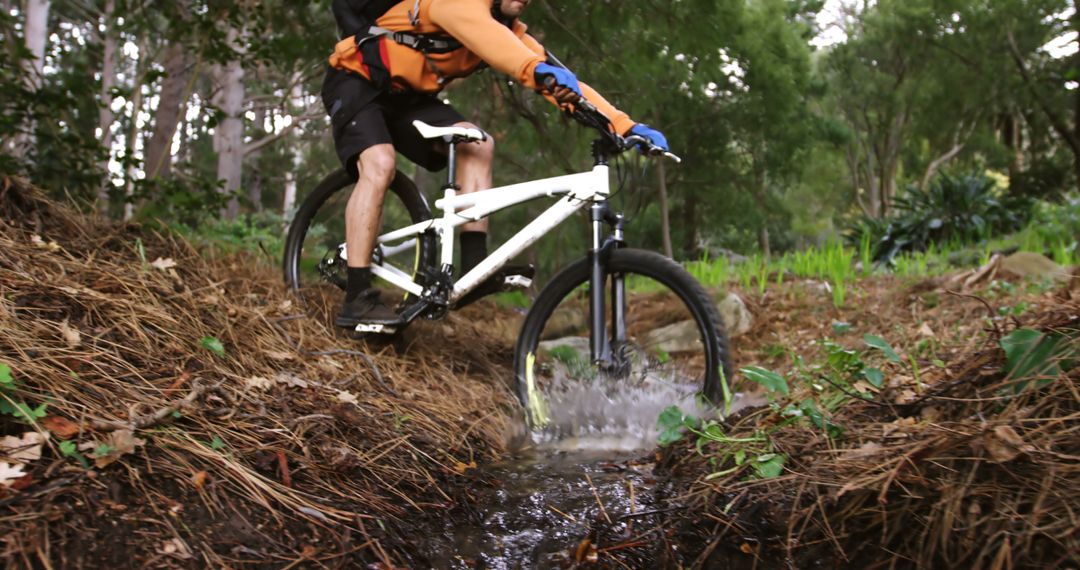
{"x": 473, "y": 250}
{"x": 359, "y": 281}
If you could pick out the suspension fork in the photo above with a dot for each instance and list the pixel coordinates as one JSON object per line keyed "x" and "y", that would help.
{"x": 599, "y": 255}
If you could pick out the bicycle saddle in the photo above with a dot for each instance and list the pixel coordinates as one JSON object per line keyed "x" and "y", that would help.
{"x": 449, "y": 133}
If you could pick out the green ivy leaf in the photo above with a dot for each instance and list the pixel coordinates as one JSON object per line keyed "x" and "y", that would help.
{"x": 217, "y": 443}
{"x": 874, "y": 376}
{"x": 6, "y": 381}
{"x": 772, "y": 381}
{"x": 102, "y": 450}
{"x": 1032, "y": 353}
{"x": 672, "y": 422}
{"x": 67, "y": 448}
{"x": 769, "y": 465}
{"x": 810, "y": 410}
{"x": 213, "y": 345}
{"x": 880, "y": 344}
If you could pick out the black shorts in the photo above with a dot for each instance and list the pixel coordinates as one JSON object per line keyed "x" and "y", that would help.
{"x": 363, "y": 116}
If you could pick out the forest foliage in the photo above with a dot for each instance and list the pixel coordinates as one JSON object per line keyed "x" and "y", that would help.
{"x": 206, "y": 114}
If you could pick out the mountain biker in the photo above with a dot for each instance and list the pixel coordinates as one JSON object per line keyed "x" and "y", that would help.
{"x": 383, "y": 77}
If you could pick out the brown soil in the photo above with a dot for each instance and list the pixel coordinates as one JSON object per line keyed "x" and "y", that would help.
{"x": 297, "y": 447}
{"x": 294, "y": 447}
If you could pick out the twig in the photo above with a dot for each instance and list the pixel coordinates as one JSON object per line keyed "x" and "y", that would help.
{"x": 603, "y": 511}
{"x": 365, "y": 358}
{"x": 158, "y": 416}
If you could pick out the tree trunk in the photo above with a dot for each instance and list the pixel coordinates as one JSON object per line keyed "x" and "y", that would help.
{"x": 130, "y": 146}
{"x": 36, "y": 35}
{"x": 105, "y": 113}
{"x": 171, "y": 100}
{"x": 665, "y": 221}
{"x": 255, "y": 179}
{"x": 759, "y": 196}
{"x": 288, "y": 203}
{"x": 690, "y": 220}
{"x": 229, "y": 134}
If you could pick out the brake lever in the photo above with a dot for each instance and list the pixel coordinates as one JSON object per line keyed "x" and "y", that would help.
{"x": 650, "y": 149}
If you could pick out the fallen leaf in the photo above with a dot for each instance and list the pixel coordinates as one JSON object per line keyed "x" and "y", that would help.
{"x": 461, "y": 468}
{"x": 867, "y": 449}
{"x": 199, "y": 480}
{"x": 347, "y": 397}
{"x": 926, "y": 331}
{"x": 285, "y": 305}
{"x": 278, "y": 355}
{"x": 60, "y": 427}
{"x": 120, "y": 443}
{"x": 51, "y": 245}
{"x": 163, "y": 263}
{"x": 931, "y": 413}
{"x": 23, "y": 449}
{"x": 905, "y": 396}
{"x": 71, "y": 334}
{"x": 290, "y": 380}
{"x": 10, "y": 472}
{"x": 259, "y": 383}
{"x": 1004, "y": 444}
{"x": 176, "y": 548}
{"x": 330, "y": 364}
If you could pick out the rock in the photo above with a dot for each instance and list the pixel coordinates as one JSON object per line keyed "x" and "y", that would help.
{"x": 679, "y": 337}
{"x": 737, "y": 318}
{"x": 565, "y": 321}
{"x": 683, "y": 336}
{"x": 1025, "y": 264}
{"x": 579, "y": 345}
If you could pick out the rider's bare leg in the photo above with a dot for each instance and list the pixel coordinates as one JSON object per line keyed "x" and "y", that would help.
{"x": 364, "y": 210}
{"x": 474, "y": 171}
{"x": 362, "y": 216}
{"x": 474, "y": 174}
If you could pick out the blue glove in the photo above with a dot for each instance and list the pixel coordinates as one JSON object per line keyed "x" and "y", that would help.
{"x": 563, "y": 77}
{"x": 654, "y": 136}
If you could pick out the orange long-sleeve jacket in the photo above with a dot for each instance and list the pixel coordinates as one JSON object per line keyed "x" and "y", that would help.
{"x": 510, "y": 50}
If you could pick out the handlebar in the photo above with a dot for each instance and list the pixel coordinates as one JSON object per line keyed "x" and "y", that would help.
{"x": 588, "y": 115}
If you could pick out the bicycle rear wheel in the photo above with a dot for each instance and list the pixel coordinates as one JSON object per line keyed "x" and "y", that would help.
{"x": 312, "y": 248}
{"x": 675, "y": 349}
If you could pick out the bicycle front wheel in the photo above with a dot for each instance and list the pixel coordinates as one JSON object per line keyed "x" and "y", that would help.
{"x": 673, "y": 350}
{"x": 313, "y": 245}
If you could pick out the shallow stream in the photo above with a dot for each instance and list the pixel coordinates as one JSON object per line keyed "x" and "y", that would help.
{"x": 583, "y": 490}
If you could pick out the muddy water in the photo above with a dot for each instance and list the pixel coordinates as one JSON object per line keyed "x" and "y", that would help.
{"x": 582, "y": 489}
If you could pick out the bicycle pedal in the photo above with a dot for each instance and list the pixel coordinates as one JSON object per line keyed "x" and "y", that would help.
{"x": 517, "y": 282}
{"x": 375, "y": 329}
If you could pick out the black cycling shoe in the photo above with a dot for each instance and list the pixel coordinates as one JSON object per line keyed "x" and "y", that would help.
{"x": 367, "y": 309}
{"x": 508, "y": 278}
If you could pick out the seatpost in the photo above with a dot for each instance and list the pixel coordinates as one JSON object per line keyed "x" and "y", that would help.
{"x": 451, "y": 170}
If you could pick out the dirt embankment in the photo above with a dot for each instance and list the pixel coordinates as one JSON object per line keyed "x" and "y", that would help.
{"x": 954, "y": 463}
{"x": 198, "y": 416}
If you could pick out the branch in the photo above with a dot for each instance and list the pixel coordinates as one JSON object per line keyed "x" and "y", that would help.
{"x": 1055, "y": 119}
{"x": 312, "y": 112}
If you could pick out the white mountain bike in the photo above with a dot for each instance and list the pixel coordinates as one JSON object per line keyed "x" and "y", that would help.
{"x": 641, "y": 315}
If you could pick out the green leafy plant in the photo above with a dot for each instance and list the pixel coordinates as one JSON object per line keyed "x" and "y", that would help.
{"x": 773, "y": 382}
{"x": 952, "y": 209}
{"x": 213, "y": 345}
{"x": 70, "y": 449}
{"x": 881, "y": 344}
{"x": 1030, "y": 353}
{"x": 672, "y": 424}
{"x": 11, "y": 404}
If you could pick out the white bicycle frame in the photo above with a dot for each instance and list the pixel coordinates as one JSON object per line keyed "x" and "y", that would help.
{"x": 577, "y": 190}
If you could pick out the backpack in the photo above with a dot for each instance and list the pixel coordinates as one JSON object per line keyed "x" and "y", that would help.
{"x": 356, "y": 16}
